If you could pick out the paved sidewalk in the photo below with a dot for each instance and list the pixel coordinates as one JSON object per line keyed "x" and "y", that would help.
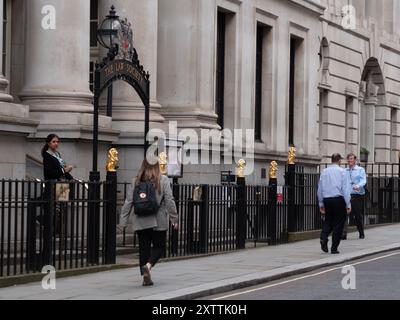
{"x": 193, "y": 278}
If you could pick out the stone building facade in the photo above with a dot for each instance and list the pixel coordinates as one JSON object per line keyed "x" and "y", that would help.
{"x": 297, "y": 71}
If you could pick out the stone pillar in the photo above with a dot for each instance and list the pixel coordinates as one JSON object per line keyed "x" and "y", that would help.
{"x": 15, "y": 126}
{"x": 4, "y": 96}
{"x": 128, "y": 109}
{"x": 56, "y": 83}
{"x": 374, "y": 9}
{"x": 383, "y": 133}
{"x": 186, "y": 63}
{"x": 352, "y": 125}
{"x": 360, "y": 124}
{"x": 333, "y": 124}
{"x": 367, "y": 127}
{"x": 388, "y": 15}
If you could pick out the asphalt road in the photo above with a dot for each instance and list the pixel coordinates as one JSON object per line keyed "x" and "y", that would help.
{"x": 376, "y": 278}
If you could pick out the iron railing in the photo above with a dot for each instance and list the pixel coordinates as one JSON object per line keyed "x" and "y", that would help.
{"x": 36, "y": 230}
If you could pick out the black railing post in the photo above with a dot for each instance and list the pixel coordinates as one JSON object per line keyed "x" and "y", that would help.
{"x": 272, "y": 206}
{"x": 93, "y": 222}
{"x": 257, "y": 220}
{"x": 189, "y": 226}
{"x": 203, "y": 223}
{"x": 241, "y": 213}
{"x": 398, "y": 194}
{"x": 175, "y": 233}
{"x": 48, "y": 224}
{"x": 31, "y": 262}
{"x": 291, "y": 182}
{"x": 300, "y": 189}
{"x": 111, "y": 218}
{"x": 391, "y": 197}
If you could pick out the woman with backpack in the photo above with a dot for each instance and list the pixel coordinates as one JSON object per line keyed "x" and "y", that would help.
{"x": 151, "y": 203}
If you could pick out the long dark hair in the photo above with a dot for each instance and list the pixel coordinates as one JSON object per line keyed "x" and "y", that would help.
{"x": 48, "y": 140}
{"x": 149, "y": 172}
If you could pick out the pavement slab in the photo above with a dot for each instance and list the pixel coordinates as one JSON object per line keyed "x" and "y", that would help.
{"x": 199, "y": 277}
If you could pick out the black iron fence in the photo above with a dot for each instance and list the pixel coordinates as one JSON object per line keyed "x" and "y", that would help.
{"x": 209, "y": 215}
{"x": 37, "y": 230}
{"x": 382, "y": 193}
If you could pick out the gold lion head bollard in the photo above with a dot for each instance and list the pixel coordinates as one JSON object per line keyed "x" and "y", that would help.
{"x": 112, "y": 161}
{"x": 292, "y": 155}
{"x": 273, "y": 170}
{"x": 163, "y": 162}
{"x": 240, "y": 167}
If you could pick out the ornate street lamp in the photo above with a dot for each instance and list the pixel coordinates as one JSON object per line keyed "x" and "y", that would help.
{"x": 107, "y": 34}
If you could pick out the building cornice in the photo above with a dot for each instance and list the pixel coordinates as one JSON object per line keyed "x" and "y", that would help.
{"x": 310, "y": 5}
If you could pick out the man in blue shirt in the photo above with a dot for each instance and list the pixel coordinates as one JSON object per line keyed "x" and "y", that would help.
{"x": 334, "y": 201}
{"x": 358, "y": 180}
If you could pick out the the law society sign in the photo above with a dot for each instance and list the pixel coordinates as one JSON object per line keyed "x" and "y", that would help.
{"x": 127, "y": 71}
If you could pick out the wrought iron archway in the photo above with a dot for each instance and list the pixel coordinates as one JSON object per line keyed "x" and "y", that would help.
{"x": 121, "y": 63}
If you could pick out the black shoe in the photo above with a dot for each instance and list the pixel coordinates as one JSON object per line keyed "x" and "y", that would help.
{"x": 362, "y": 236}
{"x": 324, "y": 246}
{"x": 335, "y": 251}
{"x": 344, "y": 237}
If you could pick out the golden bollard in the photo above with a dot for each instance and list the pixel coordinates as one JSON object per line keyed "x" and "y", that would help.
{"x": 273, "y": 170}
{"x": 163, "y": 162}
{"x": 112, "y": 160}
{"x": 292, "y": 155}
{"x": 240, "y": 167}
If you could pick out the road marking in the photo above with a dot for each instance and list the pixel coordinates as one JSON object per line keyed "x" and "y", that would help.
{"x": 304, "y": 277}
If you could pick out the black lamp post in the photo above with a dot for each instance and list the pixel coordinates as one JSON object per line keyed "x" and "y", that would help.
{"x": 107, "y": 36}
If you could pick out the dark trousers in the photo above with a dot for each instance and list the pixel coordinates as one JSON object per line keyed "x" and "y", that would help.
{"x": 147, "y": 253}
{"x": 335, "y": 218}
{"x": 357, "y": 211}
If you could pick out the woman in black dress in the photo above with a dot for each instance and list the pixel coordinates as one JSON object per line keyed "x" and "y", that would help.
{"x": 54, "y": 167}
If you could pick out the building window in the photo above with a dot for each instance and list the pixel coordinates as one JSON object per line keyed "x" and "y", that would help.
{"x": 220, "y": 70}
{"x": 4, "y": 53}
{"x": 6, "y": 57}
{"x": 94, "y": 22}
{"x": 259, "y": 77}
{"x": 296, "y": 94}
{"x": 94, "y": 49}
{"x": 292, "y": 89}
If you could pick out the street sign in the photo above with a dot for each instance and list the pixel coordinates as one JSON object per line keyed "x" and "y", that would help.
{"x": 279, "y": 192}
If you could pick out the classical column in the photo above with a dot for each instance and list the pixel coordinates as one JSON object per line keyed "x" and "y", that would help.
{"x": 128, "y": 109}
{"x": 383, "y": 127}
{"x": 56, "y": 81}
{"x": 186, "y": 63}
{"x": 368, "y": 119}
{"x": 56, "y": 84}
{"x": 4, "y": 96}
